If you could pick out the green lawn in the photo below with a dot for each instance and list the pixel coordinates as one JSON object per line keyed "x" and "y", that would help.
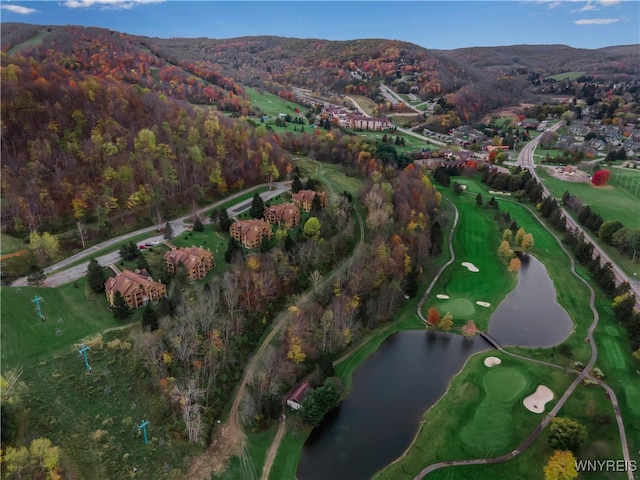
{"x": 627, "y": 179}
{"x": 610, "y": 202}
{"x": 249, "y": 464}
{"x": 32, "y": 42}
{"x": 9, "y": 244}
{"x": 480, "y": 415}
{"x": 476, "y": 241}
{"x": 285, "y": 463}
{"x": 71, "y": 314}
{"x": 573, "y": 75}
{"x": 273, "y": 105}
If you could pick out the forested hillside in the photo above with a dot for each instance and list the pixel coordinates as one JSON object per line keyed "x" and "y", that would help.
{"x": 82, "y": 147}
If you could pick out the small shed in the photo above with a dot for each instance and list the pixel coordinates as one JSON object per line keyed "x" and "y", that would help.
{"x": 297, "y": 396}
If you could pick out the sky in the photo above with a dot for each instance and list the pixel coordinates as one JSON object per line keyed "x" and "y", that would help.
{"x": 431, "y": 24}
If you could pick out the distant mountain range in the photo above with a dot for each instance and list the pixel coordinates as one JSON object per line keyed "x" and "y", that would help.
{"x": 473, "y": 80}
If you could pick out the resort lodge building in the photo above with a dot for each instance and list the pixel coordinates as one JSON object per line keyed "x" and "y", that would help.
{"x": 286, "y": 214}
{"x": 196, "y": 260}
{"x": 137, "y": 288}
{"x": 304, "y": 198}
{"x": 250, "y": 232}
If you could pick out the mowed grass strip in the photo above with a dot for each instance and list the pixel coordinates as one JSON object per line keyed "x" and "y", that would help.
{"x": 67, "y": 309}
{"x": 273, "y": 105}
{"x": 476, "y": 240}
{"x": 474, "y": 420}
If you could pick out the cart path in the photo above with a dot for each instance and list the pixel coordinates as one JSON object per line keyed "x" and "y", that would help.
{"x": 584, "y": 374}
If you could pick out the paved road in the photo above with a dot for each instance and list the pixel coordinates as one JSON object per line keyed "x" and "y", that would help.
{"x": 60, "y": 273}
{"x": 525, "y": 160}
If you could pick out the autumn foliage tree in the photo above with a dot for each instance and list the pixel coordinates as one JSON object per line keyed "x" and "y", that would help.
{"x": 515, "y": 264}
{"x": 433, "y": 317}
{"x": 600, "y": 178}
{"x": 561, "y": 466}
{"x": 469, "y": 329}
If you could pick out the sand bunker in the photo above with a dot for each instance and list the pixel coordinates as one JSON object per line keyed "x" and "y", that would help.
{"x": 492, "y": 361}
{"x": 483, "y": 304}
{"x": 537, "y": 400}
{"x": 470, "y": 266}
{"x": 442, "y": 296}
{"x": 506, "y": 194}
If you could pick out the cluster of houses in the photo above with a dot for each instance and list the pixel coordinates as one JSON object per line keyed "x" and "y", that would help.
{"x": 348, "y": 119}
{"x": 138, "y": 287}
{"x": 250, "y": 233}
{"x": 602, "y": 139}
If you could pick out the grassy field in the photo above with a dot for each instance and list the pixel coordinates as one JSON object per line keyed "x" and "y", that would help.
{"x": 610, "y": 202}
{"x": 566, "y": 76}
{"x": 92, "y": 416}
{"x": 412, "y": 144}
{"x": 627, "y": 179}
{"x": 476, "y": 240}
{"x": 32, "y": 42}
{"x": 249, "y": 465}
{"x": 271, "y": 104}
{"x": 71, "y": 314}
{"x": 9, "y": 244}
{"x": 365, "y": 103}
{"x": 285, "y": 463}
{"x": 480, "y": 415}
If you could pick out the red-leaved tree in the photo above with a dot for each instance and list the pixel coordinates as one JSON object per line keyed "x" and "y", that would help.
{"x": 433, "y": 317}
{"x": 601, "y": 177}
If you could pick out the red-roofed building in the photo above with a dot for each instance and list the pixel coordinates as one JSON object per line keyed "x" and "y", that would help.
{"x": 137, "y": 288}
{"x": 196, "y": 260}
{"x": 251, "y": 232}
{"x": 294, "y": 401}
{"x": 304, "y": 199}
{"x": 287, "y": 214}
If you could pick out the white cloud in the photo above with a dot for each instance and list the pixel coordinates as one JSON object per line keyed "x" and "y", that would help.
{"x": 108, "y": 4}
{"x": 596, "y": 21}
{"x": 19, "y": 9}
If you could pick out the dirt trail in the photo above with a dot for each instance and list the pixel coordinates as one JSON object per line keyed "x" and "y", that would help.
{"x": 273, "y": 449}
{"x": 230, "y": 440}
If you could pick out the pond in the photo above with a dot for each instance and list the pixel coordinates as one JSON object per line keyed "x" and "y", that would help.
{"x": 390, "y": 392}
{"x": 530, "y": 315}
{"x": 411, "y": 371}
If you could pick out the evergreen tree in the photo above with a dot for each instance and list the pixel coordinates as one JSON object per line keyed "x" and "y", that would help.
{"x": 95, "y": 276}
{"x": 168, "y": 231}
{"x": 197, "y": 225}
{"x": 149, "y": 318}
{"x": 289, "y": 244}
{"x": 215, "y": 215}
{"x": 316, "y": 206}
{"x": 232, "y": 247}
{"x": 310, "y": 184}
{"x": 120, "y": 309}
{"x": 129, "y": 251}
{"x": 436, "y": 238}
{"x": 257, "y": 206}
{"x": 224, "y": 220}
{"x": 479, "y": 201}
{"x": 296, "y": 185}
{"x": 143, "y": 264}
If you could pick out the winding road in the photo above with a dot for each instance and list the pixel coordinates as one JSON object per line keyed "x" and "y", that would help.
{"x": 64, "y": 272}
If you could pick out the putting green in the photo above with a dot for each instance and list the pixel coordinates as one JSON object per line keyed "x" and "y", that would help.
{"x": 459, "y": 307}
{"x": 504, "y": 384}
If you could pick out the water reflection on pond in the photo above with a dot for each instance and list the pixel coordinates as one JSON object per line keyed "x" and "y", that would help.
{"x": 410, "y": 372}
